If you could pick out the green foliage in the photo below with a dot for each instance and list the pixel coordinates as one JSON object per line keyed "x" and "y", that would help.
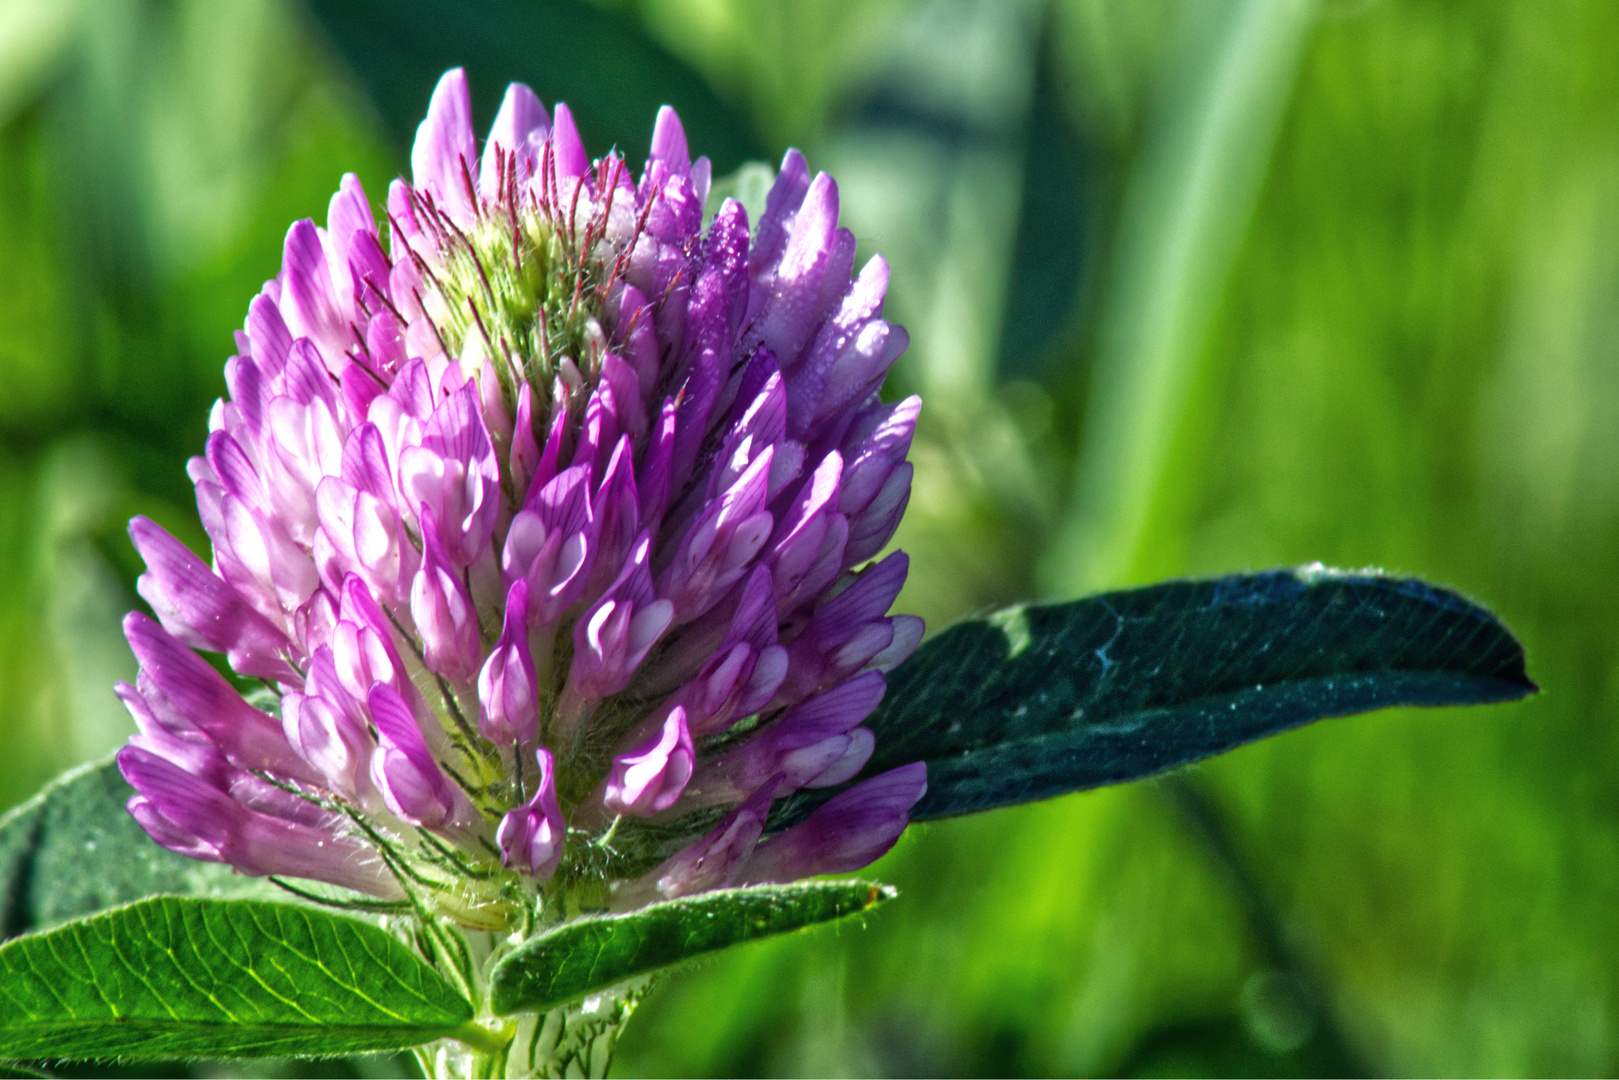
{"x": 399, "y": 48}
{"x": 1408, "y": 361}
{"x": 176, "y": 978}
{"x": 1398, "y": 350}
{"x": 151, "y": 157}
{"x": 589, "y": 955}
{"x": 72, "y": 850}
{"x": 1043, "y": 699}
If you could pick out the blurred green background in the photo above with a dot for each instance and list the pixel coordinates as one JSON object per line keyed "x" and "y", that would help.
{"x": 1193, "y": 285}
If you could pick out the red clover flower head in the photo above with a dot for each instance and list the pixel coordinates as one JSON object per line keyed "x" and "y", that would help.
{"x": 541, "y": 512}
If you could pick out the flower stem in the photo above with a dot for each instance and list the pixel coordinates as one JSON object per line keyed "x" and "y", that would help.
{"x": 481, "y": 1039}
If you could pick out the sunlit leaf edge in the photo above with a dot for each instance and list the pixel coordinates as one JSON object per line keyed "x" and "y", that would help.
{"x": 542, "y": 973}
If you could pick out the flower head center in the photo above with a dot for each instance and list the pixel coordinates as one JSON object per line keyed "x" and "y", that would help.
{"x": 524, "y": 287}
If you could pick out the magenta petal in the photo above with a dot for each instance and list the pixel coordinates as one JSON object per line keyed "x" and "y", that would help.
{"x": 770, "y": 236}
{"x": 841, "y": 707}
{"x": 531, "y": 837}
{"x": 552, "y": 544}
{"x": 695, "y": 402}
{"x": 627, "y": 397}
{"x": 793, "y": 303}
{"x": 363, "y": 647}
{"x": 349, "y": 213}
{"x": 369, "y": 273}
{"x": 725, "y": 258}
{"x": 251, "y": 739}
{"x": 454, "y": 472}
{"x": 202, "y": 610}
{"x": 512, "y": 152}
{"x": 444, "y": 160}
{"x": 249, "y": 389}
{"x": 639, "y": 342}
{"x": 870, "y": 532}
{"x": 650, "y": 778}
{"x": 656, "y": 476}
{"x": 720, "y": 544}
{"x": 506, "y": 685}
{"x": 326, "y": 737}
{"x": 200, "y": 820}
{"x": 614, "y": 636}
{"x": 309, "y": 300}
{"x": 525, "y": 455}
{"x": 443, "y": 611}
{"x": 716, "y": 860}
{"x": 669, "y": 143}
{"x": 599, "y": 432}
{"x": 908, "y": 630}
{"x": 411, "y": 781}
{"x": 616, "y": 514}
{"x": 796, "y": 546}
{"x": 569, "y": 149}
{"x": 269, "y": 335}
{"x": 874, "y": 448}
{"x": 366, "y": 538}
{"x": 804, "y": 743}
{"x": 862, "y": 741}
{"x": 848, "y": 832}
{"x": 850, "y": 631}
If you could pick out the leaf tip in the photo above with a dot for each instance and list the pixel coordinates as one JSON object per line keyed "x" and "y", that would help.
{"x": 878, "y": 893}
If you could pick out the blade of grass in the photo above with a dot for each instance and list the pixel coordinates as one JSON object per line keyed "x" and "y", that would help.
{"x": 1181, "y": 226}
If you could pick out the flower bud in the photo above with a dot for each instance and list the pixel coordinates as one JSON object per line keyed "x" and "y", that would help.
{"x": 443, "y": 611}
{"x": 847, "y": 832}
{"x": 649, "y": 778}
{"x": 506, "y": 691}
{"x": 531, "y": 837}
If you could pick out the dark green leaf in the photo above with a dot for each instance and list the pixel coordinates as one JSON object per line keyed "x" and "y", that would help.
{"x": 1052, "y": 242}
{"x": 1043, "y": 699}
{"x": 73, "y": 850}
{"x": 601, "y": 62}
{"x": 177, "y": 978}
{"x": 592, "y": 954}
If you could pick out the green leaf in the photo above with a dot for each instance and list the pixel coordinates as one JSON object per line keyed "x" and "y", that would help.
{"x": 73, "y": 850}
{"x": 1043, "y": 699}
{"x": 601, "y": 62}
{"x": 594, "y": 953}
{"x": 749, "y": 185}
{"x": 180, "y": 978}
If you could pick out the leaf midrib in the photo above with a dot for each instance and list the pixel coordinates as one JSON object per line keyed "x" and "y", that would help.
{"x": 129, "y": 1023}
